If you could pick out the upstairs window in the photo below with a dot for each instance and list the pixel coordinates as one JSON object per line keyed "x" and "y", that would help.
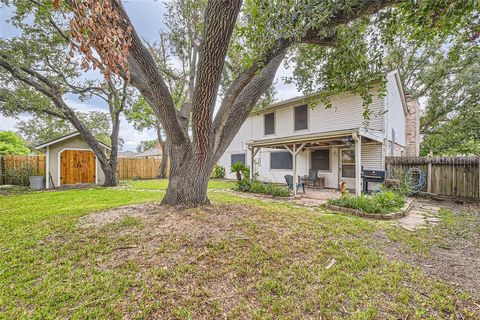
{"x": 301, "y": 117}
{"x": 269, "y": 123}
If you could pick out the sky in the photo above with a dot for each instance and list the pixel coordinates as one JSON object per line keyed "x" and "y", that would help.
{"x": 147, "y": 18}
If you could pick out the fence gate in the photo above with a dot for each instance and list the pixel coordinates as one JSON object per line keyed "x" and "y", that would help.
{"x": 77, "y": 166}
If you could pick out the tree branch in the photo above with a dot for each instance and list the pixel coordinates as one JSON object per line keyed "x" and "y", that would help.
{"x": 146, "y": 77}
{"x": 244, "y": 103}
{"x": 311, "y": 36}
{"x": 16, "y": 72}
{"x": 30, "y": 109}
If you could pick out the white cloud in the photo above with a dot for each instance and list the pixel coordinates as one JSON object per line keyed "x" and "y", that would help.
{"x": 132, "y": 137}
{"x": 284, "y": 90}
{"x": 9, "y": 123}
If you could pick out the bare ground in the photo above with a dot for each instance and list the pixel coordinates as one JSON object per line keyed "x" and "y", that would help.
{"x": 239, "y": 258}
{"x": 452, "y": 247}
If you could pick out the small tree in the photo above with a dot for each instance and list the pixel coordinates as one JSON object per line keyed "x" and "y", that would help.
{"x": 11, "y": 143}
{"x": 240, "y": 169}
{"x": 142, "y": 117}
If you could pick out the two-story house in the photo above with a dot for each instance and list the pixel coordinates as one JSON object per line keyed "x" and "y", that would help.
{"x": 290, "y": 137}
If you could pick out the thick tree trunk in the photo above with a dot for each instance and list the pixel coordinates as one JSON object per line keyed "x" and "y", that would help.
{"x": 188, "y": 180}
{"x": 162, "y": 169}
{"x": 111, "y": 178}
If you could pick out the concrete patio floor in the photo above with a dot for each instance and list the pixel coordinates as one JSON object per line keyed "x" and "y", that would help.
{"x": 316, "y": 197}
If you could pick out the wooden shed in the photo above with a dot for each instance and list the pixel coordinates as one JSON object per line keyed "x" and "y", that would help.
{"x": 70, "y": 160}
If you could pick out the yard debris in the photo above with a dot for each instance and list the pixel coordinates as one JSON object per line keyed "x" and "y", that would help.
{"x": 331, "y": 264}
{"x": 239, "y": 238}
{"x": 125, "y": 247}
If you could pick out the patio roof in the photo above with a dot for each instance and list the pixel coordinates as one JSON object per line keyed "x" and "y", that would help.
{"x": 295, "y": 144}
{"x": 314, "y": 139}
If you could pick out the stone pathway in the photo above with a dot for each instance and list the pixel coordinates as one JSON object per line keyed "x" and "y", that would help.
{"x": 422, "y": 214}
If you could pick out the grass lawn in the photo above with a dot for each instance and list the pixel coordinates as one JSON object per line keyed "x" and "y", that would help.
{"x": 240, "y": 258}
{"x": 163, "y": 184}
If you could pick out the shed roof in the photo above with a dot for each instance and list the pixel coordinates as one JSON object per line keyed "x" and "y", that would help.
{"x": 65, "y": 137}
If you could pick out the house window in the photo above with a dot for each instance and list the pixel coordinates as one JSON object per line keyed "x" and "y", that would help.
{"x": 237, "y": 157}
{"x": 320, "y": 159}
{"x": 269, "y": 123}
{"x": 348, "y": 163}
{"x": 301, "y": 117}
{"x": 281, "y": 160}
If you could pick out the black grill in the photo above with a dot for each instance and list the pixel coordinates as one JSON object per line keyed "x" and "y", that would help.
{"x": 372, "y": 176}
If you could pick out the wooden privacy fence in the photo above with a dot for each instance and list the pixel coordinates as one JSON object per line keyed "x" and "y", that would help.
{"x": 128, "y": 168}
{"x": 446, "y": 176}
{"x": 11, "y": 165}
{"x": 138, "y": 168}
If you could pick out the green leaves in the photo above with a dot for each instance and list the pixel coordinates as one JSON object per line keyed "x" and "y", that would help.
{"x": 11, "y": 143}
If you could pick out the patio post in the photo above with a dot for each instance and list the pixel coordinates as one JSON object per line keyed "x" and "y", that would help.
{"x": 253, "y": 153}
{"x": 358, "y": 163}
{"x": 295, "y": 182}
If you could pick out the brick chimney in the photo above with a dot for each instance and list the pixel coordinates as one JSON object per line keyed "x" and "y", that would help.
{"x": 412, "y": 127}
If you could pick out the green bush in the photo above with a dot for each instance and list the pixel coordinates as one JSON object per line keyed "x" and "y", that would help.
{"x": 218, "y": 172}
{"x": 254, "y": 186}
{"x": 20, "y": 176}
{"x": 382, "y": 202}
{"x": 241, "y": 170}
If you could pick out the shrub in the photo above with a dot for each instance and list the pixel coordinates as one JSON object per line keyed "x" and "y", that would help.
{"x": 382, "y": 202}
{"x": 20, "y": 176}
{"x": 240, "y": 169}
{"x": 218, "y": 172}
{"x": 254, "y": 186}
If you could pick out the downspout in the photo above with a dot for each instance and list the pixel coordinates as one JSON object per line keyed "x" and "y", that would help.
{"x": 358, "y": 163}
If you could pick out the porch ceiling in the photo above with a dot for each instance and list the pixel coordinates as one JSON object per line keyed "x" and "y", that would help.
{"x": 323, "y": 139}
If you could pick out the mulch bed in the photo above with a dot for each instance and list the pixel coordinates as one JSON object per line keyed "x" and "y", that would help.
{"x": 380, "y": 216}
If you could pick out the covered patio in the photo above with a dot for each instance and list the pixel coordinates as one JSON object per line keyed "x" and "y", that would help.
{"x": 350, "y": 140}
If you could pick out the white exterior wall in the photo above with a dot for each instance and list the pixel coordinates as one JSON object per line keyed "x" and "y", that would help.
{"x": 395, "y": 113}
{"x": 372, "y": 159}
{"x": 346, "y": 113}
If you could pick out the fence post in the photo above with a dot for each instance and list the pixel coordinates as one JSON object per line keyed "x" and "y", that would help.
{"x": 429, "y": 175}
{"x": 2, "y": 169}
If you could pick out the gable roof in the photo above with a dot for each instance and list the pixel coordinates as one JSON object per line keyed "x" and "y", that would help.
{"x": 298, "y": 100}
{"x": 65, "y": 137}
{"x": 398, "y": 81}
{"x": 154, "y": 152}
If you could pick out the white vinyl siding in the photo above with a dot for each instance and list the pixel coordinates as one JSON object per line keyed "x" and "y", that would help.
{"x": 395, "y": 112}
{"x": 346, "y": 113}
{"x": 372, "y": 156}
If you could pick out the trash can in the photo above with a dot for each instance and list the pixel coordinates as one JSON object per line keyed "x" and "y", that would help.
{"x": 37, "y": 182}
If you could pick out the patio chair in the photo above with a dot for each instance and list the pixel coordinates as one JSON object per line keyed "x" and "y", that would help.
{"x": 289, "y": 181}
{"x": 312, "y": 178}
